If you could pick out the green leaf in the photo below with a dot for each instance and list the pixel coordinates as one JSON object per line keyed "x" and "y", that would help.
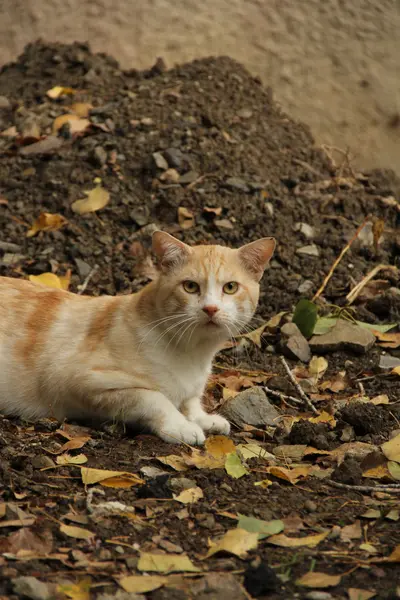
{"x": 382, "y": 328}
{"x": 305, "y": 316}
{"x": 324, "y": 324}
{"x": 394, "y": 469}
{"x": 234, "y": 466}
{"x": 263, "y": 528}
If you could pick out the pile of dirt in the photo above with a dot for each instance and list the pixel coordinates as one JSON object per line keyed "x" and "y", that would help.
{"x": 204, "y": 137}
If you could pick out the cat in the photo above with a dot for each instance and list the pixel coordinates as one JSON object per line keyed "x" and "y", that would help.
{"x": 142, "y": 358}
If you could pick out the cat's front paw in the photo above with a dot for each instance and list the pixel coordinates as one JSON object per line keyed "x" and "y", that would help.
{"x": 214, "y": 424}
{"x": 184, "y": 431}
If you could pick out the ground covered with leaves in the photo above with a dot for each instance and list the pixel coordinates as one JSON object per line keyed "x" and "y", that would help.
{"x": 302, "y": 501}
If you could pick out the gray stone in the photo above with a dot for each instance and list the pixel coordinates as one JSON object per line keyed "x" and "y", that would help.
{"x": 83, "y": 267}
{"x": 269, "y": 208}
{"x": 9, "y": 247}
{"x": 388, "y": 362}
{"x": 343, "y": 336}
{"x": 293, "y": 344}
{"x": 31, "y": 587}
{"x": 152, "y": 472}
{"x": 317, "y": 595}
{"x": 306, "y": 230}
{"x": 305, "y": 287}
{"x": 311, "y": 250}
{"x": 140, "y": 215}
{"x": 236, "y": 183}
{"x": 42, "y": 462}
{"x": 174, "y": 157}
{"x": 11, "y": 258}
{"x": 223, "y": 224}
{"x": 100, "y": 156}
{"x": 178, "y": 484}
{"x": 245, "y": 113}
{"x": 250, "y": 407}
{"x": 189, "y": 177}
{"x": 160, "y": 161}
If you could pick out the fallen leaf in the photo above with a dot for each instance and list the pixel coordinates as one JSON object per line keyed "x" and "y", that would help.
{"x": 324, "y": 417}
{"x": 35, "y": 543}
{"x": 3, "y": 508}
{"x": 305, "y": 317}
{"x": 290, "y": 475}
{"x": 235, "y": 541}
{"x": 166, "y": 563}
{"x": 234, "y": 466}
{"x": 394, "y": 556}
{"x": 388, "y": 340}
{"x": 74, "y": 444}
{"x": 254, "y": 450}
{"x": 396, "y": 371}
{"x": 378, "y": 227}
{"x": 97, "y": 198}
{"x": 204, "y": 461}
{"x": 324, "y": 324}
{"x": 371, "y": 513}
{"x": 47, "y": 222}
{"x": 381, "y": 399}
{"x": 175, "y": 461}
{"x": 394, "y": 469}
{"x": 393, "y": 515}
{"x": 357, "y": 594}
{"x": 391, "y": 449}
{"x": 316, "y": 580}
{"x": 272, "y": 326}
{"x": 82, "y": 109}
{"x": 219, "y": 445}
{"x": 368, "y": 548}
{"x": 338, "y": 383}
{"x": 75, "y": 591}
{"x": 351, "y": 532}
{"x": 67, "y": 459}
{"x": 263, "y": 528}
{"x": 293, "y": 452}
{"x": 213, "y": 211}
{"x": 92, "y": 476}
{"x": 185, "y": 217}
{"x": 190, "y": 495}
{"x": 48, "y": 280}
{"x": 141, "y": 584}
{"x": 76, "y": 124}
{"x": 18, "y": 522}
{"x": 58, "y": 91}
{"x": 284, "y": 541}
{"x": 264, "y": 483}
{"x": 317, "y": 366}
{"x": 76, "y": 532}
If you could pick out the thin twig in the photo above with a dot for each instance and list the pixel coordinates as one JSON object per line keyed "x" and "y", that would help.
{"x": 84, "y": 285}
{"x": 339, "y": 258}
{"x": 393, "y": 488}
{"x": 282, "y": 396}
{"x": 298, "y": 387}
{"x": 355, "y": 292}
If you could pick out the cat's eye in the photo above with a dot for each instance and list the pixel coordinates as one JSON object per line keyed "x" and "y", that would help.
{"x": 231, "y": 287}
{"x": 191, "y": 287}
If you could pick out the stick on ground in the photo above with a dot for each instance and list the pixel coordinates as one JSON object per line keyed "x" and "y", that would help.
{"x": 298, "y": 387}
{"x": 84, "y": 285}
{"x": 352, "y": 295}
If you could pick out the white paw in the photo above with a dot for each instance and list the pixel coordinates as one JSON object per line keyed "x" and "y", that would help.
{"x": 184, "y": 431}
{"x": 214, "y": 424}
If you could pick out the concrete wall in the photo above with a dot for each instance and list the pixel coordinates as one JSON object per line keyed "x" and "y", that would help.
{"x": 334, "y": 64}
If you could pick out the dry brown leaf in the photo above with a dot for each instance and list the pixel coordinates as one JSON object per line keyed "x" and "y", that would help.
{"x": 219, "y": 445}
{"x": 166, "y": 563}
{"x": 82, "y": 109}
{"x": 236, "y": 541}
{"x": 393, "y": 515}
{"x": 76, "y": 532}
{"x": 294, "y": 452}
{"x": 387, "y": 340}
{"x": 67, "y": 459}
{"x": 396, "y": 371}
{"x": 190, "y": 495}
{"x": 316, "y": 580}
{"x": 284, "y": 541}
{"x": 27, "y": 522}
{"x": 58, "y": 91}
{"x": 97, "y": 198}
{"x": 358, "y": 594}
{"x": 291, "y": 475}
{"x": 185, "y": 217}
{"x": 324, "y": 417}
{"x": 76, "y": 124}
{"x": 75, "y": 591}
{"x": 204, "y": 461}
{"x": 141, "y": 584}
{"x": 108, "y": 478}
{"x": 9, "y": 132}
{"x": 380, "y": 399}
{"x": 377, "y": 472}
{"x": 391, "y": 449}
{"x": 47, "y": 222}
{"x": 74, "y": 444}
{"x": 28, "y": 542}
{"x": 317, "y": 366}
{"x": 371, "y": 513}
{"x": 338, "y": 383}
{"x": 175, "y": 461}
{"x": 213, "y": 211}
{"x": 351, "y": 532}
{"x": 378, "y": 227}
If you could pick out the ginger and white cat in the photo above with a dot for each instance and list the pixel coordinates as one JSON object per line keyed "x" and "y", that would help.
{"x": 143, "y": 358}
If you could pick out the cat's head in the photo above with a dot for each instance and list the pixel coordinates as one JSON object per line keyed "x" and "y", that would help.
{"x": 212, "y": 290}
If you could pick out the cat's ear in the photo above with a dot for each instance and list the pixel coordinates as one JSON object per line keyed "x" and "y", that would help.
{"x": 256, "y": 255}
{"x": 169, "y": 251}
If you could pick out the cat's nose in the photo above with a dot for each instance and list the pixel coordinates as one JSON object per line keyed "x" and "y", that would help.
{"x": 210, "y": 310}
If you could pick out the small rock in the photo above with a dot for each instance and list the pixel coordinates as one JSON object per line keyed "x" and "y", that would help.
{"x": 250, "y": 407}
{"x": 83, "y": 268}
{"x": 388, "y": 362}
{"x": 174, "y": 157}
{"x": 223, "y": 224}
{"x": 42, "y": 462}
{"x": 31, "y": 587}
{"x": 293, "y": 344}
{"x": 306, "y": 230}
{"x": 46, "y": 146}
{"x": 245, "y": 113}
{"x": 140, "y": 215}
{"x": 343, "y": 336}
{"x": 269, "y": 208}
{"x": 11, "y": 259}
{"x": 217, "y": 585}
{"x": 99, "y": 156}
{"x": 160, "y": 161}
{"x": 316, "y": 595}
{"x": 226, "y": 487}
{"x": 236, "y": 183}
{"x": 9, "y": 247}
{"x": 189, "y": 177}
{"x": 146, "y": 121}
{"x": 4, "y": 103}
{"x": 305, "y": 287}
{"x": 170, "y": 176}
{"x": 208, "y": 522}
{"x": 310, "y": 506}
{"x": 152, "y": 472}
{"x": 311, "y": 250}
{"x": 170, "y": 547}
{"x": 178, "y": 484}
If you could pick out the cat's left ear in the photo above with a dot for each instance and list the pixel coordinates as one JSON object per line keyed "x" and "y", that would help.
{"x": 256, "y": 255}
{"x": 169, "y": 251}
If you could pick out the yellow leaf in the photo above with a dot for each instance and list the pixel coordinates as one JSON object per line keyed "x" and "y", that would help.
{"x": 324, "y": 417}
{"x": 234, "y": 466}
{"x": 173, "y": 460}
{"x": 264, "y": 483}
{"x": 254, "y": 450}
{"x": 219, "y": 445}
{"x": 140, "y": 584}
{"x": 75, "y": 591}
{"x": 91, "y": 476}
{"x": 381, "y": 399}
{"x": 284, "y": 541}
{"x": 391, "y": 449}
{"x": 76, "y": 124}
{"x": 185, "y": 218}
{"x": 394, "y": 469}
{"x": 97, "y": 198}
{"x": 67, "y": 459}
{"x": 388, "y": 340}
{"x": 318, "y": 365}
{"x": 272, "y": 326}
{"x": 395, "y": 371}
{"x": 166, "y": 563}
{"x": 236, "y": 541}
{"x": 357, "y": 594}
{"x": 58, "y": 91}
{"x": 368, "y": 548}
{"x": 47, "y": 222}
{"x": 393, "y": 515}
{"x": 204, "y": 461}
{"x": 76, "y": 532}
{"x": 47, "y": 279}
{"x": 318, "y": 580}
{"x": 371, "y": 513}
{"x": 291, "y": 475}
{"x": 394, "y": 556}
{"x": 82, "y": 109}
{"x": 190, "y": 496}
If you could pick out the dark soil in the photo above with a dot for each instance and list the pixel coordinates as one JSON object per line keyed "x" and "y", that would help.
{"x": 234, "y": 150}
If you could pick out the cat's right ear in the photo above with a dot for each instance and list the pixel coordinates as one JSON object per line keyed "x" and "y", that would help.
{"x": 169, "y": 251}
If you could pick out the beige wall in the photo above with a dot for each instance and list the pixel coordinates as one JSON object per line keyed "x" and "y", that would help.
{"x": 334, "y": 64}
